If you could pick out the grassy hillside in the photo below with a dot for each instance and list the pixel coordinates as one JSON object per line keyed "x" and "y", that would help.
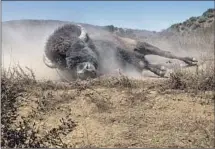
{"x": 130, "y": 33}
{"x": 206, "y": 20}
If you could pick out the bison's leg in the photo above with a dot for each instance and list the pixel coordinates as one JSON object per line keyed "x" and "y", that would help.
{"x": 147, "y": 49}
{"x": 140, "y": 63}
{"x": 159, "y": 70}
{"x": 156, "y": 69}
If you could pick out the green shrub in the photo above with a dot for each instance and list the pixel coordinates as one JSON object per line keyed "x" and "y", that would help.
{"x": 193, "y": 19}
{"x": 209, "y": 13}
{"x": 110, "y": 28}
{"x": 195, "y": 26}
{"x": 202, "y": 19}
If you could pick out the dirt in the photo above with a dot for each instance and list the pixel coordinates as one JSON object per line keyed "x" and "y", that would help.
{"x": 143, "y": 116}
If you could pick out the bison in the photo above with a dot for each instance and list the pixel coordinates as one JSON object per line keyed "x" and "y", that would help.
{"x": 71, "y": 48}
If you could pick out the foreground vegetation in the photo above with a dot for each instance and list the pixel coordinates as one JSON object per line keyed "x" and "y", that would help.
{"x": 28, "y": 106}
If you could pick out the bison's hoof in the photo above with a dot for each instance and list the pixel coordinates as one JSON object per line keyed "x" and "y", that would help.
{"x": 163, "y": 68}
{"x": 169, "y": 73}
{"x": 191, "y": 61}
{"x": 194, "y": 59}
{"x": 169, "y": 62}
{"x": 162, "y": 73}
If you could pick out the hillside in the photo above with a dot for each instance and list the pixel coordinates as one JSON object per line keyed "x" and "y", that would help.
{"x": 205, "y": 21}
{"x": 202, "y": 23}
{"x": 130, "y": 33}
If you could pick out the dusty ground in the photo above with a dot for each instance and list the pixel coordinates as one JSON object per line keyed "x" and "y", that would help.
{"x": 122, "y": 114}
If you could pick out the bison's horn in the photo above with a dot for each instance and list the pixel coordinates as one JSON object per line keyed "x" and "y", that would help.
{"x": 83, "y": 35}
{"x": 48, "y": 62}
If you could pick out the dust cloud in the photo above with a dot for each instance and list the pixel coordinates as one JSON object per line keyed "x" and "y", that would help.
{"x": 107, "y": 46}
{"x": 24, "y": 45}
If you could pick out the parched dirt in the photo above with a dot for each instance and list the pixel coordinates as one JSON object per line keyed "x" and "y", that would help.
{"x": 144, "y": 115}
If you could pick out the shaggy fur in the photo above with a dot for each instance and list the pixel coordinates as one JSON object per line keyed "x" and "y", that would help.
{"x": 66, "y": 50}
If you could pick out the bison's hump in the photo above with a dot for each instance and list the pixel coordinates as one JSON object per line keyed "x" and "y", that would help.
{"x": 63, "y": 38}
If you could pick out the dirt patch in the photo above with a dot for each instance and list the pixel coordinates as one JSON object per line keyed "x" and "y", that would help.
{"x": 138, "y": 115}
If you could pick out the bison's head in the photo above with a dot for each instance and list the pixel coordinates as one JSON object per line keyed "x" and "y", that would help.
{"x": 79, "y": 56}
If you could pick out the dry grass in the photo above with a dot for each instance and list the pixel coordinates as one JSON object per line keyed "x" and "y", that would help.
{"x": 105, "y": 112}
{"x": 15, "y": 85}
{"x": 202, "y": 78}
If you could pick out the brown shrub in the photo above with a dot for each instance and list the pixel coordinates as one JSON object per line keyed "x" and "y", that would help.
{"x": 203, "y": 78}
{"x": 15, "y": 82}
